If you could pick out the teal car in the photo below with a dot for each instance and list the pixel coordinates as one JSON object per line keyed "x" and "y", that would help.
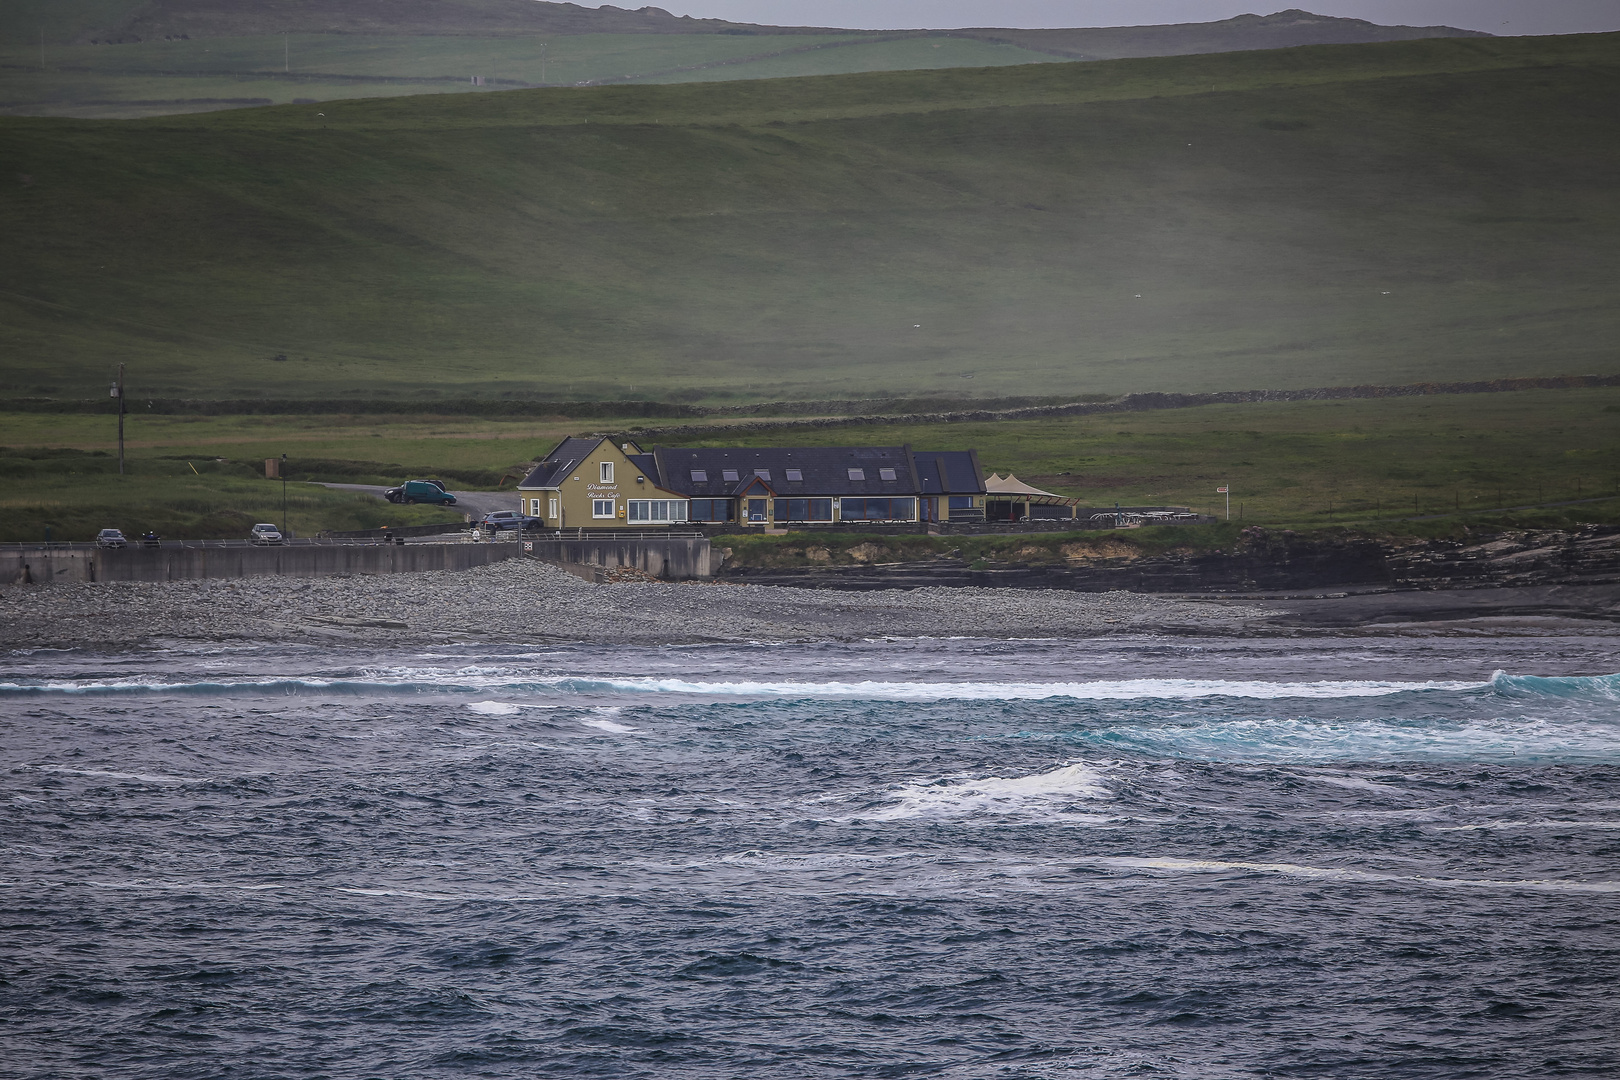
{"x": 420, "y": 491}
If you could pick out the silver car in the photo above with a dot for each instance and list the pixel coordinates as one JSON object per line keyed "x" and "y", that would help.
{"x": 110, "y": 538}
{"x": 265, "y": 533}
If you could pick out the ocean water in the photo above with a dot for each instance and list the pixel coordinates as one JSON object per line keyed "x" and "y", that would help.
{"x": 1132, "y": 857}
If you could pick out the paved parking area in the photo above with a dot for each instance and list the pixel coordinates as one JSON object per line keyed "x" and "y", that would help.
{"x": 476, "y": 503}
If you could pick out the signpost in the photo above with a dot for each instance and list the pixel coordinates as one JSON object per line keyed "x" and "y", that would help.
{"x": 118, "y": 392}
{"x": 1227, "y": 491}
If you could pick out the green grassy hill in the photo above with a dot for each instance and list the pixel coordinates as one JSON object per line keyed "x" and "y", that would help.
{"x": 1337, "y": 214}
{"x": 154, "y": 78}
{"x": 133, "y": 58}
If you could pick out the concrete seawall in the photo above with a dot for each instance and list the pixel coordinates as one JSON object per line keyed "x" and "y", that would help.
{"x": 677, "y": 558}
{"x": 40, "y": 566}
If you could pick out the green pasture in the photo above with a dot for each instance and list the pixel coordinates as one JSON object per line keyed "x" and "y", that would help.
{"x": 75, "y": 495}
{"x": 1369, "y": 464}
{"x": 161, "y": 77}
{"x": 1384, "y": 214}
{"x": 1364, "y": 462}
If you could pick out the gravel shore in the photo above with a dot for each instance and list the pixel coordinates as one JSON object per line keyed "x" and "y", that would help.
{"x": 530, "y": 601}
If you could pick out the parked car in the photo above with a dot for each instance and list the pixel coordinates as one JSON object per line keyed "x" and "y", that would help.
{"x": 509, "y": 519}
{"x": 110, "y": 538}
{"x": 420, "y": 491}
{"x": 265, "y": 533}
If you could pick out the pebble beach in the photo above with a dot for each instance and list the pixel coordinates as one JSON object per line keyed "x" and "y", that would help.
{"x": 531, "y": 601}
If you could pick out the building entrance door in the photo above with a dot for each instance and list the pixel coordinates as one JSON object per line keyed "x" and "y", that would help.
{"x": 756, "y": 509}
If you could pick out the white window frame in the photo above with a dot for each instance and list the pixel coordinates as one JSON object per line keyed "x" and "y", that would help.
{"x": 604, "y": 471}
{"x": 534, "y": 507}
{"x": 656, "y": 511}
{"x": 553, "y": 508}
{"x": 611, "y": 504}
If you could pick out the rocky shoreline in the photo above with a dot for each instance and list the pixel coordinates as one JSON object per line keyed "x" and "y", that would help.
{"x": 1269, "y": 583}
{"x": 524, "y": 600}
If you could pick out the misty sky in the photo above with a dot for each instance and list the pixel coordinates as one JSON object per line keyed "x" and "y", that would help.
{"x": 1492, "y": 16}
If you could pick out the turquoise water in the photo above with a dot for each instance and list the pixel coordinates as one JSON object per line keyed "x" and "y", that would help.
{"x": 1131, "y": 857}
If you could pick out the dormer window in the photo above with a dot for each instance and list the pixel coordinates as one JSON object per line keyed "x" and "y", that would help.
{"x": 795, "y": 475}
{"x": 886, "y": 474}
{"x": 700, "y": 476}
{"x": 857, "y": 474}
{"x": 729, "y": 475}
{"x": 605, "y": 470}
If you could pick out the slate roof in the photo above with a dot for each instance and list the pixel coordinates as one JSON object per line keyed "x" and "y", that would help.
{"x": 948, "y": 472}
{"x": 821, "y": 470}
{"x": 560, "y": 462}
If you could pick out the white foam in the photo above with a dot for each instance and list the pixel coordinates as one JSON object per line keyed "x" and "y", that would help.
{"x": 1345, "y": 874}
{"x": 1104, "y": 690}
{"x": 959, "y": 796}
{"x": 494, "y": 708}
{"x": 144, "y": 777}
{"x": 182, "y": 886}
{"x": 1531, "y": 825}
{"x": 609, "y": 725}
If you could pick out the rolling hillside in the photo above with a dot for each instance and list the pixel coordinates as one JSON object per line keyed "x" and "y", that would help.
{"x": 131, "y": 58}
{"x": 1318, "y": 216}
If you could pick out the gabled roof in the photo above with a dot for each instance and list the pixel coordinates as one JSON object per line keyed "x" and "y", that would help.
{"x": 822, "y": 470}
{"x": 560, "y": 462}
{"x": 948, "y": 472}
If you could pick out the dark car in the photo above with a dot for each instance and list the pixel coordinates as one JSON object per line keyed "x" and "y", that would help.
{"x": 509, "y": 519}
{"x": 110, "y": 538}
{"x": 420, "y": 491}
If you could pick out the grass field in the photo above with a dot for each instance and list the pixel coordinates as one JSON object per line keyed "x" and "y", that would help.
{"x": 1384, "y": 213}
{"x": 153, "y": 78}
{"x": 73, "y": 496}
{"x": 1367, "y": 464}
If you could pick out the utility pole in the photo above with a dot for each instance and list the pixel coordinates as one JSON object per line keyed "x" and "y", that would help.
{"x": 283, "y": 472}
{"x": 118, "y": 392}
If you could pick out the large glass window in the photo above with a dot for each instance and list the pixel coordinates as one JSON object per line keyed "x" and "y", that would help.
{"x": 602, "y": 508}
{"x": 803, "y": 509}
{"x": 711, "y": 510}
{"x": 962, "y": 502}
{"x": 877, "y": 509}
{"x": 657, "y": 511}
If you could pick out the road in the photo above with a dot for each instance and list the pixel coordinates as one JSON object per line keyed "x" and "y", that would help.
{"x": 476, "y": 503}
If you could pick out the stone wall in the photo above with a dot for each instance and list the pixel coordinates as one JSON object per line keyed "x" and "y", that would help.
{"x": 19, "y": 566}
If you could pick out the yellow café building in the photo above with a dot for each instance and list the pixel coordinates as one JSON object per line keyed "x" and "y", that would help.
{"x": 593, "y": 483}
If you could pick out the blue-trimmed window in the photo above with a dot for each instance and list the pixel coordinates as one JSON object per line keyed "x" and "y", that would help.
{"x": 803, "y": 509}
{"x": 877, "y": 509}
{"x": 711, "y": 510}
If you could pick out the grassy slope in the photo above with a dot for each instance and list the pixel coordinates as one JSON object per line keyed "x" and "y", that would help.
{"x": 1358, "y": 462}
{"x": 1435, "y": 209}
{"x": 89, "y": 80}
{"x": 1318, "y": 462}
{"x": 77, "y": 495}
